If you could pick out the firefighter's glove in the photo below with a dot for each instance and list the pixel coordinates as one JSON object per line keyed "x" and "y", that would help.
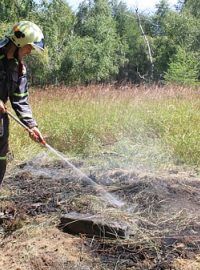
{"x": 35, "y": 135}
{"x": 2, "y": 107}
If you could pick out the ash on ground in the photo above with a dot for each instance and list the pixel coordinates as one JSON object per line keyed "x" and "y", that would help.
{"x": 162, "y": 211}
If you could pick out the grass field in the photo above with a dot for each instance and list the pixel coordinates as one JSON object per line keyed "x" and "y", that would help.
{"x": 116, "y": 136}
{"x": 152, "y": 124}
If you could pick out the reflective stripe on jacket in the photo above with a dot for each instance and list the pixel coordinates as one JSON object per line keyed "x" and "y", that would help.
{"x": 13, "y": 86}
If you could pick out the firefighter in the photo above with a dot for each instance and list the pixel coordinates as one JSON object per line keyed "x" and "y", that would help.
{"x": 24, "y": 37}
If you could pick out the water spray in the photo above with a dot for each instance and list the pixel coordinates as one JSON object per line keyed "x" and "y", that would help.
{"x": 99, "y": 188}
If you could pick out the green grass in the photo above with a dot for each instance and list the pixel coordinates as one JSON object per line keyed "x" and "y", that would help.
{"x": 161, "y": 125}
{"x": 177, "y": 124}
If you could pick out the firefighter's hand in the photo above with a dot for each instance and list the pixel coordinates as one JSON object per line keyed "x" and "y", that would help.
{"x": 2, "y": 107}
{"x": 35, "y": 135}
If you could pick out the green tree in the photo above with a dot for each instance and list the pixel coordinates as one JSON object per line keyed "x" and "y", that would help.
{"x": 38, "y": 68}
{"x": 14, "y": 10}
{"x": 137, "y": 63}
{"x": 57, "y": 21}
{"x": 96, "y": 42}
{"x": 183, "y": 68}
{"x": 193, "y": 6}
{"x": 170, "y": 30}
{"x": 158, "y": 22}
{"x": 182, "y": 28}
{"x": 79, "y": 65}
{"x": 9, "y": 10}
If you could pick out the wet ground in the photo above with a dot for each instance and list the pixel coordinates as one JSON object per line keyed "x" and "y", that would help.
{"x": 162, "y": 211}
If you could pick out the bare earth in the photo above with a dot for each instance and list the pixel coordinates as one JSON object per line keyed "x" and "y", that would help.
{"x": 161, "y": 213}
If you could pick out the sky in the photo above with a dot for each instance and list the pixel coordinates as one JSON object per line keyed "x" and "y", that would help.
{"x": 143, "y": 5}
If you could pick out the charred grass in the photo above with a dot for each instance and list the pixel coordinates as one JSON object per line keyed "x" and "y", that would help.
{"x": 122, "y": 138}
{"x": 161, "y": 213}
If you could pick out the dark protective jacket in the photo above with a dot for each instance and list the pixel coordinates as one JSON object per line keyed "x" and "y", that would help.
{"x": 13, "y": 86}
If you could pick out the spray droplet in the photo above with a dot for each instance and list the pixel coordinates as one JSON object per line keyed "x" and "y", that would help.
{"x": 105, "y": 194}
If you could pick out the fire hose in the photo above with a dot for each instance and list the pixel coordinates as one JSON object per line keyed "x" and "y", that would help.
{"x": 106, "y": 195}
{"x": 42, "y": 141}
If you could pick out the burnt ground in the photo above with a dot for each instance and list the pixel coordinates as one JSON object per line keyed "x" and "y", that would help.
{"x": 161, "y": 212}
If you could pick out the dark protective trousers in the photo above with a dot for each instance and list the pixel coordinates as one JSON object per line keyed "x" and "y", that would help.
{"x": 4, "y": 146}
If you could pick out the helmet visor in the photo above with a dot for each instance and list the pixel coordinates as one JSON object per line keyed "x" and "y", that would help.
{"x": 39, "y": 46}
{"x": 4, "y": 42}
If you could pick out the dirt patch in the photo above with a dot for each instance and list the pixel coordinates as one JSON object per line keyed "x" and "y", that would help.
{"x": 161, "y": 211}
{"x": 40, "y": 248}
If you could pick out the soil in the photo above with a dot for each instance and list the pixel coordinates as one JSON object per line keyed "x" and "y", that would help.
{"x": 161, "y": 211}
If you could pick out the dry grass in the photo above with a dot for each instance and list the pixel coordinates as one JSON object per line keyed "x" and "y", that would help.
{"x": 157, "y": 124}
{"x": 161, "y": 231}
{"x": 40, "y": 246}
{"x": 181, "y": 264}
{"x": 84, "y": 120}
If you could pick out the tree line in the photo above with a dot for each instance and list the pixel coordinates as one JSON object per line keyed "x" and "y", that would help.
{"x": 105, "y": 41}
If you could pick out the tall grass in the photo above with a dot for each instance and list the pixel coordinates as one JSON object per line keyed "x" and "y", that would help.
{"x": 86, "y": 121}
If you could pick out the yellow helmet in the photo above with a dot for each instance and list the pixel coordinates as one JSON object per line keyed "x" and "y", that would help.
{"x": 26, "y": 32}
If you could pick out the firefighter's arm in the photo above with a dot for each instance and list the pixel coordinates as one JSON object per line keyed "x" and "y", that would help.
{"x": 20, "y": 103}
{"x": 18, "y": 94}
